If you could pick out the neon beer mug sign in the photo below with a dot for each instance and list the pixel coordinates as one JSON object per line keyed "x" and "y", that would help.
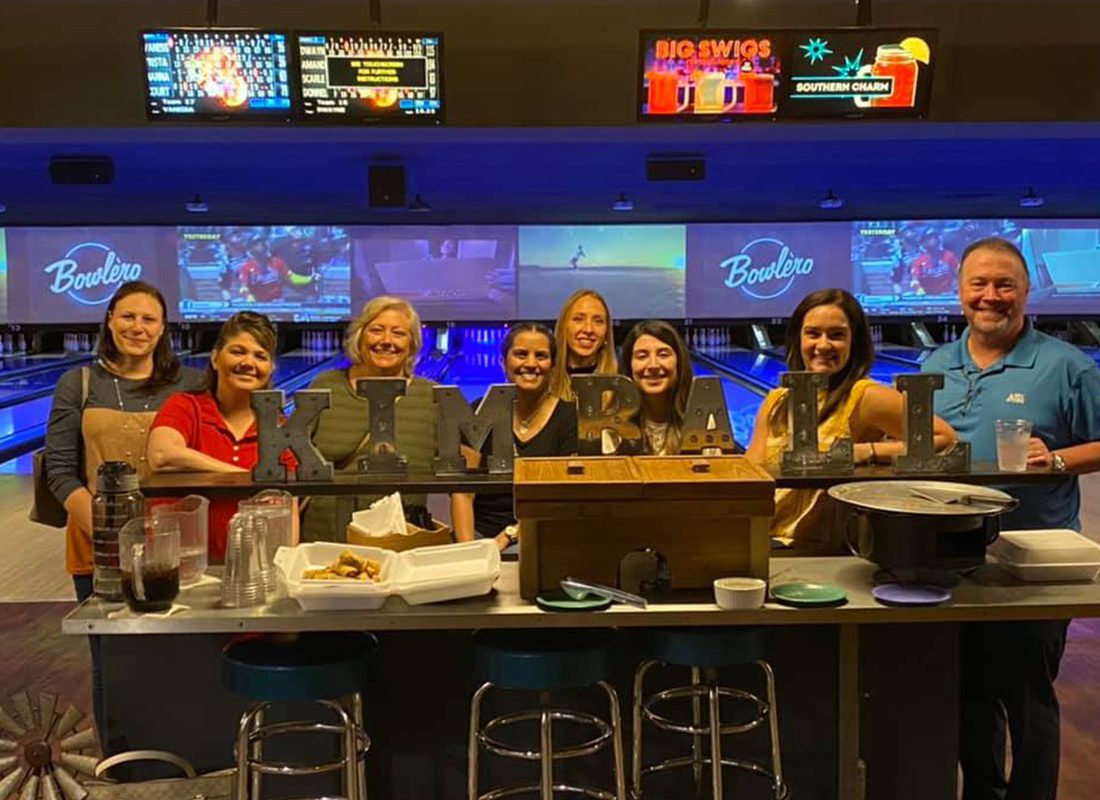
{"x": 664, "y": 93}
{"x": 711, "y": 90}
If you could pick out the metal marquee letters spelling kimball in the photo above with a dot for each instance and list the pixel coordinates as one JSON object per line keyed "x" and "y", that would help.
{"x": 382, "y": 455}
{"x": 917, "y": 430}
{"x": 604, "y": 403}
{"x": 804, "y": 456}
{"x": 707, "y": 419}
{"x": 293, "y": 434}
{"x": 607, "y": 403}
{"x": 457, "y": 422}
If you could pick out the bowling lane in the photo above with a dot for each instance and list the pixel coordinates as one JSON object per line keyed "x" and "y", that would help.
{"x": 905, "y": 356}
{"x": 764, "y": 368}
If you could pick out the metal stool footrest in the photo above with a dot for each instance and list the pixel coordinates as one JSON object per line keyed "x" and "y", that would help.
{"x": 535, "y": 788}
{"x": 778, "y": 787}
{"x": 253, "y": 734}
{"x": 283, "y": 768}
{"x": 702, "y": 691}
{"x": 593, "y": 745}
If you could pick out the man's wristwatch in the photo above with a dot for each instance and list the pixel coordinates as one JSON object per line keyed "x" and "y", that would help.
{"x": 512, "y": 532}
{"x": 1057, "y": 463}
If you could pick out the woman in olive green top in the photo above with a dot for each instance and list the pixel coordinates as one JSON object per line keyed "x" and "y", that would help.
{"x": 383, "y": 342}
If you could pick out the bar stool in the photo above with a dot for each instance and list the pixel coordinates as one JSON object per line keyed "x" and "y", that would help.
{"x": 704, "y": 650}
{"x": 327, "y": 668}
{"x": 543, "y": 662}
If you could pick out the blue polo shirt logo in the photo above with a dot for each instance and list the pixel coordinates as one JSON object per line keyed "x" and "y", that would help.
{"x": 1019, "y": 398}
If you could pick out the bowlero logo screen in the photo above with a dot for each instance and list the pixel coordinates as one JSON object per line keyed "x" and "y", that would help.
{"x": 762, "y": 270}
{"x": 69, "y": 274}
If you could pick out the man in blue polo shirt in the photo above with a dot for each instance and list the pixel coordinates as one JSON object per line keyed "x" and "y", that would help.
{"x": 1002, "y": 368}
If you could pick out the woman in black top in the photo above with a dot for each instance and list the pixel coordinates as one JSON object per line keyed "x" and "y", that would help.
{"x": 542, "y": 425}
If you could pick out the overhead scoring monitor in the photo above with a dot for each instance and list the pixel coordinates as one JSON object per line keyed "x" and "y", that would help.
{"x": 372, "y": 76}
{"x": 216, "y": 73}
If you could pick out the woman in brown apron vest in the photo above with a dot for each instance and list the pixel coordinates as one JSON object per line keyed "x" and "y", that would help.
{"x": 102, "y": 412}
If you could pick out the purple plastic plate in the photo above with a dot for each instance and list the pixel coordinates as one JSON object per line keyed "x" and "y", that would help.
{"x": 910, "y": 594}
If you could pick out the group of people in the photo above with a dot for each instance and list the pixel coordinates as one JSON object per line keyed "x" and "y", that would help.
{"x": 137, "y": 403}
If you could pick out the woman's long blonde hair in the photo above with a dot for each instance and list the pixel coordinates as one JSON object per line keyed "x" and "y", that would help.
{"x": 606, "y": 362}
{"x": 372, "y": 309}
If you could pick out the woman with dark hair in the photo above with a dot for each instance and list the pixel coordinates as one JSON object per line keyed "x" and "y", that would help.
{"x": 828, "y": 333}
{"x": 214, "y": 430}
{"x": 102, "y": 412}
{"x": 134, "y": 373}
{"x": 657, "y": 359}
{"x": 542, "y": 425}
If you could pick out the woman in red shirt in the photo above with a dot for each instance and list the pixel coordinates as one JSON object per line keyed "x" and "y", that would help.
{"x": 215, "y": 430}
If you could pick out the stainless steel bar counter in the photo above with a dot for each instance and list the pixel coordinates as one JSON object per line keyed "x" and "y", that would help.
{"x": 882, "y": 679}
{"x": 990, "y": 594}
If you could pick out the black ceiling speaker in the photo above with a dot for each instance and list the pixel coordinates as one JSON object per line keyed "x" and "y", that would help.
{"x": 386, "y": 185}
{"x": 82, "y": 170}
{"x": 675, "y": 168}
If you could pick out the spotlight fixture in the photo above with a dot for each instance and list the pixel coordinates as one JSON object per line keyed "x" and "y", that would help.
{"x": 1031, "y": 200}
{"x": 196, "y": 205}
{"x": 830, "y": 202}
{"x": 420, "y": 205}
{"x": 622, "y": 203}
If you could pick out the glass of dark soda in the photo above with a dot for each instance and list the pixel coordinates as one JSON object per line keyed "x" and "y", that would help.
{"x": 149, "y": 559}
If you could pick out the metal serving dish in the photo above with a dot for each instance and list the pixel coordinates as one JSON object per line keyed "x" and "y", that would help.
{"x": 916, "y": 525}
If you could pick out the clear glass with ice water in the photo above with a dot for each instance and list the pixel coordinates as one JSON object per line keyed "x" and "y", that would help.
{"x": 1012, "y": 439}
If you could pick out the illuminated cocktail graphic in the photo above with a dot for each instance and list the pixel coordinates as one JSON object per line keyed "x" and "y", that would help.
{"x": 899, "y": 63}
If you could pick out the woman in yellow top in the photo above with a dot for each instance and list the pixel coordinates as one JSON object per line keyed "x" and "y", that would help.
{"x": 828, "y": 333}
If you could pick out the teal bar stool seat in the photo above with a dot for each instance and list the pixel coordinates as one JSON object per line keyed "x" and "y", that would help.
{"x": 544, "y": 662}
{"x": 704, "y": 651}
{"x": 327, "y": 668}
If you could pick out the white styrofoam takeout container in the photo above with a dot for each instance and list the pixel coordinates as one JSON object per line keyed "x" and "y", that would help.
{"x": 321, "y": 595}
{"x": 1047, "y": 555}
{"x": 423, "y": 575}
{"x": 447, "y": 572}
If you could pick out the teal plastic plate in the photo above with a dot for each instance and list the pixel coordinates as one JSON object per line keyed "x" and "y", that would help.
{"x": 803, "y": 594}
{"x": 557, "y": 600}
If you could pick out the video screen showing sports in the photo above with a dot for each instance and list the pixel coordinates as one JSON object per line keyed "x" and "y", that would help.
{"x": 214, "y": 73}
{"x": 639, "y": 269}
{"x": 1063, "y": 258}
{"x": 860, "y": 73}
{"x": 372, "y": 76}
{"x": 762, "y": 270}
{"x": 910, "y": 267}
{"x": 448, "y": 272}
{"x": 68, "y": 275}
{"x": 296, "y": 273}
{"x": 709, "y": 74}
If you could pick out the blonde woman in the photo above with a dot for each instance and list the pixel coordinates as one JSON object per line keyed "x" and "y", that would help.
{"x": 384, "y": 341}
{"x": 585, "y": 341}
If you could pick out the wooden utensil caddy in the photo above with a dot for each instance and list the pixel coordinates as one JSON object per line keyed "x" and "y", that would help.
{"x": 708, "y": 517}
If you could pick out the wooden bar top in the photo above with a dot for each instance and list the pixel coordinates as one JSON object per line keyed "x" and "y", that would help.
{"x": 989, "y": 594}
{"x": 240, "y": 484}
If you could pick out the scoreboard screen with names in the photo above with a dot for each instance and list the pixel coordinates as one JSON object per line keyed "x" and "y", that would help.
{"x": 213, "y": 73}
{"x": 395, "y": 77}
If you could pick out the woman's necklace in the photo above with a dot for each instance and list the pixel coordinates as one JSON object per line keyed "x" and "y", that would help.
{"x": 118, "y": 390}
{"x": 525, "y": 424}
